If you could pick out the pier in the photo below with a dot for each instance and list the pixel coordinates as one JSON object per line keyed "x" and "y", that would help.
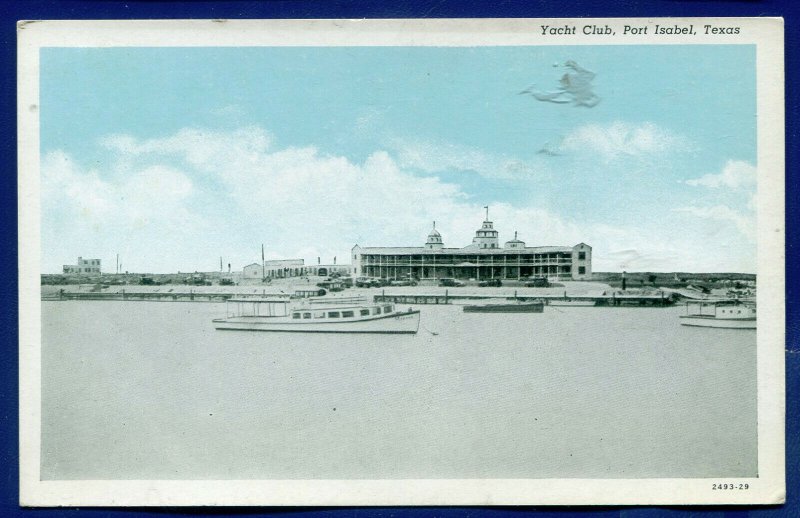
{"x": 438, "y": 297}
{"x": 612, "y": 300}
{"x": 167, "y": 296}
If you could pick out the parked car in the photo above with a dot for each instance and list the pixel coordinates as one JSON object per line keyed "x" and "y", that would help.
{"x": 403, "y": 282}
{"x": 448, "y": 282}
{"x": 369, "y": 282}
{"x": 364, "y": 282}
{"x": 490, "y": 283}
{"x": 537, "y": 282}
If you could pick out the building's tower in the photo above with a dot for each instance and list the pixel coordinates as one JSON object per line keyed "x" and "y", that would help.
{"x": 434, "y": 241}
{"x": 515, "y": 243}
{"x": 582, "y": 262}
{"x": 486, "y": 236}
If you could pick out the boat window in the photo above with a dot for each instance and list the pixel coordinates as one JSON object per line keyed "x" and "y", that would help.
{"x": 306, "y": 315}
{"x": 346, "y": 314}
{"x": 377, "y": 311}
{"x": 333, "y": 314}
{"x": 295, "y": 315}
{"x": 364, "y": 312}
{"x": 387, "y": 309}
{"x": 319, "y": 314}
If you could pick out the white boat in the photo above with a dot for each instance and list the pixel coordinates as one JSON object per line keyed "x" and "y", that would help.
{"x": 279, "y": 315}
{"x": 568, "y": 302}
{"x": 729, "y": 314}
{"x": 505, "y": 307}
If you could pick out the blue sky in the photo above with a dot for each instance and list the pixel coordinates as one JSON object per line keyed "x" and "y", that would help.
{"x": 174, "y": 157}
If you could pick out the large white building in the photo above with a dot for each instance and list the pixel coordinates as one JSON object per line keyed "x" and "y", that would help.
{"x": 85, "y": 266}
{"x": 483, "y": 259}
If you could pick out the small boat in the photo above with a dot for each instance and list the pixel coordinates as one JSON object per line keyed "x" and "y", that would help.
{"x": 506, "y": 307}
{"x": 728, "y": 314}
{"x": 562, "y": 302}
{"x": 279, "y": 315}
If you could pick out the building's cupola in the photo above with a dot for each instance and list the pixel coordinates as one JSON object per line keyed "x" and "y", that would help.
{"x": 434, "y": 241}
{"x": 486, "y": 236}
{"x": 515, "y": 243}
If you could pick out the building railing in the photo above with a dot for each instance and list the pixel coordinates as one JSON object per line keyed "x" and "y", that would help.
{"x": 460, "y": 261}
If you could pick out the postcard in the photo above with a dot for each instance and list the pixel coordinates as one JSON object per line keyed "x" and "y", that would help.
{"x": 401, "y": 262}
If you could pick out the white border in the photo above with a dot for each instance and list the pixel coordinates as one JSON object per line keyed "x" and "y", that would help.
{"x": 767, "y": 488}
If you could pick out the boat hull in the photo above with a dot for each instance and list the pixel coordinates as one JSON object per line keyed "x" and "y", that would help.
{"x": 576, "y": 303}
{"x": 721, "y": 323}
{"x": 506, "y": 308}
{"x": 397, "y": 323}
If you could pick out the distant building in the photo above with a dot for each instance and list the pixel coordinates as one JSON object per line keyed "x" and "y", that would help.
{"x": 279, "y": 268}
{"x": 84, "y": 266}
{"x": 253, "y": 271}
{"x": 482, "y": 259}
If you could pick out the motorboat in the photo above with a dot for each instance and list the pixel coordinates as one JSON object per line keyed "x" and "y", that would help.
{"x": 571, "y": 302}
{"x": 337, "y": 316}
{"x": 729, "y": 314}
{"x": 506, "y": 307}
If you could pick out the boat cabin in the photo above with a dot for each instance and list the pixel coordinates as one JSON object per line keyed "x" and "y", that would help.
{"x": 721, "y": 309}
{"x": 342, "y": 313}
{"x": 258, "y": 307}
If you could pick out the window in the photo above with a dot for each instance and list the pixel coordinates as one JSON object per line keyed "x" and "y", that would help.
{"x": 387, "y": 309}
{"x": 333, "y": 314}
{"x": 347, "y": 314}
{"x": 295, "y": 315}
{"x": 581, "y": 270}
{"x": 306, "y": 315}
{"x": 364, "y": 312}
{"x": 581, "y": 256}
{"x": 319, "y": 314}
{"x": 377, "y": 311}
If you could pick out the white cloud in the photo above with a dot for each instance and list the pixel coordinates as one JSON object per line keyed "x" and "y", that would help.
{"x": 622, "y": 139}
{"x": 744, "y": 223}
{"x": 89, "y": 213}
{"x": 441, "y": 156}
{"x": 739, "y": 179}
{"x": 735, "y": 175}
{"x": 199, "y": 148}
{"x": 179, "y": 202}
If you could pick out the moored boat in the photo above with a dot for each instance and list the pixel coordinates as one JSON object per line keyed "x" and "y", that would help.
{"x": 279, "y": 315}
{"x": 728, "y": 314}
{"x": 562, "y": 302}
{"x": 506, "y": 307}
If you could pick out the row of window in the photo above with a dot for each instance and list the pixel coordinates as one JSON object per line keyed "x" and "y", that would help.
{"x": 484, "y": 261}
{"x": 341, "y": 314}
{"x": 510, "y": 258}
{"x": 738, "y": 311}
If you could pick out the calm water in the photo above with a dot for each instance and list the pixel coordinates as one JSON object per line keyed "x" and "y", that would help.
{"x": 146, "y": 390}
